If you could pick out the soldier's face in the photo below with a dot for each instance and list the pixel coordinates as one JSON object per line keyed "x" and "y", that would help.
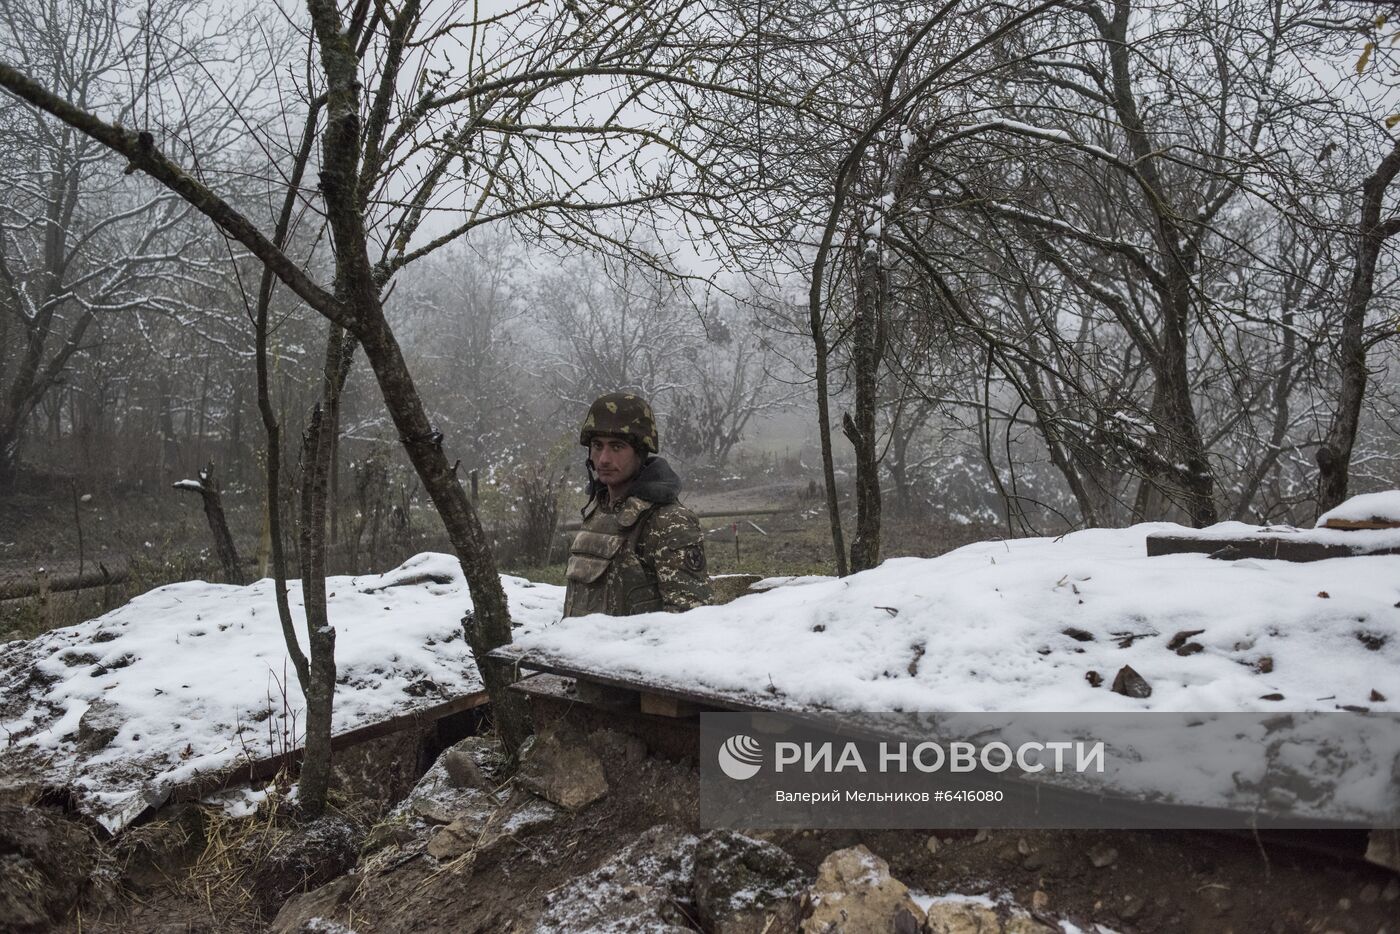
{"x": 614, "y": 460}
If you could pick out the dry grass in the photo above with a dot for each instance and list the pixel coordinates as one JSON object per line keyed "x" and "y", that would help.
{"x": 234, "y": 849}
{"x": 228, "y": 877}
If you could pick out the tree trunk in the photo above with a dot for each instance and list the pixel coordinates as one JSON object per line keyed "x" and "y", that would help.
{"x": 317, "y": 451}
{"x": 487, "y": 626}
{"x": 1188, "y": 470}
{"x": 208, "y": 489}
{"x": 320, "y": 636}
{"x": 1334, "y": 454}
{"x": 867, "y": 352}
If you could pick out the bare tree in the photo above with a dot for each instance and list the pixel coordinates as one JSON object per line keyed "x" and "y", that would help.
{"x": 1375, "y": 225}
{"x": 615, "y": 325}
{"x": 401, "y": 138}
{"x": 729, "y": 381}
{"x": 76, "y": 246}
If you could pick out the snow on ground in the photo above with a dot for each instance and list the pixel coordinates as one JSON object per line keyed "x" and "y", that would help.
{"x": 1017, "y": 625}
{"x": 188, "y": 678}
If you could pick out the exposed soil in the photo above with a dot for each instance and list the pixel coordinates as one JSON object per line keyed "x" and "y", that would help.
{"x": 1128, "y": 881}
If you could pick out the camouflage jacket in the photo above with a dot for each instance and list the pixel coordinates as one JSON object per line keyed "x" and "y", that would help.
{"x": 643, "y": 553}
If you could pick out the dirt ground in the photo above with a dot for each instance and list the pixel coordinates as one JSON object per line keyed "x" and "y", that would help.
{"x": 1126, "y": 881}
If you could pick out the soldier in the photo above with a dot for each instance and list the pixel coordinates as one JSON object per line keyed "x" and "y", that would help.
{"x": 639, "y": 550}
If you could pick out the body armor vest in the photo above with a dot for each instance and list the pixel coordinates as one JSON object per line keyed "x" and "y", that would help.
{"x": 605, "y": 574}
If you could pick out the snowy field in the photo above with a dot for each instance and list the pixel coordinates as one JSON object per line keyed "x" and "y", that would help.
{"x": 187, "y": 679}
{"x": 1020, "y": 625}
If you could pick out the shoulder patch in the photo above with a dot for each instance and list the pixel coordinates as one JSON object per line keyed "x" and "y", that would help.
{"x": 693, "y": 558}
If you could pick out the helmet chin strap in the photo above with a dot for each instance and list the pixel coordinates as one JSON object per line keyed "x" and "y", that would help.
{"x": 592, "y": 485}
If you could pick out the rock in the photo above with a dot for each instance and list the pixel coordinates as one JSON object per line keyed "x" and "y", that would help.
{"x": 1078, "y": 635}
{"x": 956, "y": 916}
{"x": 1376, "y": 696}
{"x": 1383, "y": 848}
{"x": 438, "y": 785}
{"x": 98, "y": 726}
{"x": 1130, "y": 684}
{"x": 464, "y": 829}
{"x": 932, "y": 845}
{"x": 433, "y": 811}
{"x": 1370, "y": 894}
{"x": 456, "y": 839}
{"x": 1094, "y": 678}
{"x": 1190, "y": 648}
{"x": 855, "y": 894}
{"x": 745, "y": 886}
{"x": 645, "y": 888}
{"x": 463, "y": 771}
{"x": 435, "y": 801}
{"x": 1040, "y": 900}
{"x": 482, "y": 828}
{"x": 312, "y": 912}
{"x": 389, "y": 832}
{"x": 471, "y": 762}
{"x": 1183, "y": 637}
{"x": 1102, "y": 855}
{"x": 1391, "y": 892}
{"x": 561, "y": 768}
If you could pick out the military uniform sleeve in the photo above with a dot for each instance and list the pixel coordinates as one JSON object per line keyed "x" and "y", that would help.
{"x": 676, "y": 546}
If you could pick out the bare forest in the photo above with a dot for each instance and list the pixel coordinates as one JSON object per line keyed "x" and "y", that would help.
{"x": 290, "y": 290}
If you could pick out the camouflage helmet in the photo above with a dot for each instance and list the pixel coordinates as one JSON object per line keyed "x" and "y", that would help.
{"x": 621, "y": 413}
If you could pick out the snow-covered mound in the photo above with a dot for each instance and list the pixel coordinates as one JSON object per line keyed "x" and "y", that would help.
{"x": 189, "y": 678}
{"x": 1020, "y": 625}
{"x": 1383, "y": 507}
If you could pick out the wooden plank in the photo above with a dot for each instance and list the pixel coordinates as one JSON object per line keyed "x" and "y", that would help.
{"x": 522, "y": 660}
{"x": 659, "y": 706}
{"x": 1352, "y": 525}
{"x": 263, "y": 769}
{"x": 1272, "y": 547}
